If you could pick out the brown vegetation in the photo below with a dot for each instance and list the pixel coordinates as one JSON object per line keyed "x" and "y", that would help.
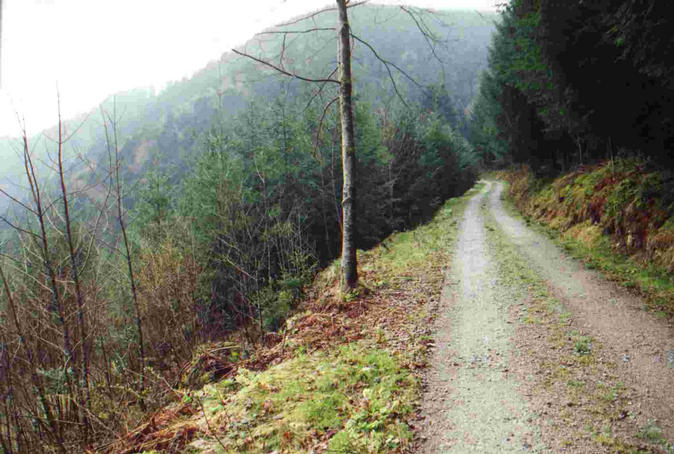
{"x": 617, "y": 215}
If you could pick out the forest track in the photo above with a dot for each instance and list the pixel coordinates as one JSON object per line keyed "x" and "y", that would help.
{"x": 641, "y": 345}
{"x": 510, "y": 372}
{"x": 472, "y": 403}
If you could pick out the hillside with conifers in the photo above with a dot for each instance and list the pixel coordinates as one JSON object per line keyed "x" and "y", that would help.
{"x": 172, "y": 262}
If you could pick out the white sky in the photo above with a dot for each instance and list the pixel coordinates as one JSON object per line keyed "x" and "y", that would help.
{"x": 94, "y": 48}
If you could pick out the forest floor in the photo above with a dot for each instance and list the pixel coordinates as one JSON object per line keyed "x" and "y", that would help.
{"x": 535, "y": 353}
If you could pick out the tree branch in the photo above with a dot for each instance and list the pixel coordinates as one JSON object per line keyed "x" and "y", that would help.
{"x": 425, "y": 32}
{"x": 320, "y": 124}
{"x": 387, "y": 64}
{"x": 17, "y": 228}
{"x": 283, "y": 51}
{"x": 289, "y": 32}
{"x": 281, "y": 70}
{"x": 17, "y": 201}
{"x": 318, "y": 92}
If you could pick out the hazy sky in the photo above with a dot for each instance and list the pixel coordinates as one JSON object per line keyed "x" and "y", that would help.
{"x": 93, "y": 48}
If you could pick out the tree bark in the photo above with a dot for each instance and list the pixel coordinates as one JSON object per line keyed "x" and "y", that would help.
{"x": 349, "y": 277}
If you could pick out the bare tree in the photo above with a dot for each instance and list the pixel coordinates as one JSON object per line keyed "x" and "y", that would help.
{"x": 345, "y": 36}
{"x": 349, "y": 278}
{"x": 85, "y": 400}
{"x": 49, "y": 423}
{"x": 349, "y": 265}
{"x": 115, "y": 181}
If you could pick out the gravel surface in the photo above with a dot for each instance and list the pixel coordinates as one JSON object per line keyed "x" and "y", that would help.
{"x": 637, "y": 342}
{"x": 472, "y": 404}
{"x": 500, "y": 383}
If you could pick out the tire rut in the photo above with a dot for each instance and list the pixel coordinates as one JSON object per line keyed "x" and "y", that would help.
{"x": 641, "y": 346}
{"x": 472, "y": 403}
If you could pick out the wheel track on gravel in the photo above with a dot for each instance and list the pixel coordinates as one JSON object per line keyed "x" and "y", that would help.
{"x": 472, "y": 403}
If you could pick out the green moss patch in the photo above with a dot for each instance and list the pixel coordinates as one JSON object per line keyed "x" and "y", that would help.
{"x": 361, "y": 393}
{"x": 617, "y": 218}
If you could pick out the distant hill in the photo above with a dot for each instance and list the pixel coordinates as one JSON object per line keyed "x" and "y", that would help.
{"x": 160, "y": 130}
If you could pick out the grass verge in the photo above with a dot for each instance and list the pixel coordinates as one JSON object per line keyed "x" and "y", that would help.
{"x": 344, "y": 375}
{"x": 617, "y": 221}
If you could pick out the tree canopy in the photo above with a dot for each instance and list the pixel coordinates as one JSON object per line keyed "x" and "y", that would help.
{"x": 572, "y": 81}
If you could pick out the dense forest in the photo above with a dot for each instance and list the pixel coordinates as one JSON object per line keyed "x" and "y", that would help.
{"x": 573, "y": 83}
{"x": 159, "y": 222}
{"x": 585, "y": 89}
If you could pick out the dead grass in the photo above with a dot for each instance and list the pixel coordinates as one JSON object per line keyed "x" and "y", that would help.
{"x": 617, "y": 218}
{"x": 168, "y": 430}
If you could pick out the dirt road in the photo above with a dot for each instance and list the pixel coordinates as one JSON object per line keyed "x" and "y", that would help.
{"x": 536, "y": 354}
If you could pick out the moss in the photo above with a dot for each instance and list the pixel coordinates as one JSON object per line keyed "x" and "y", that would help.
{"x": 583, "y": 346}
{"x": 616, "y": 218}
{"x": 325, "y": 412}
{"x": 651, "y": 432}
{"x": 353, "y": 388}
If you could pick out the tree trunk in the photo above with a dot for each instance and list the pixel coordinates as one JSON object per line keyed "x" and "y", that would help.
{"x": 349, "y": 278}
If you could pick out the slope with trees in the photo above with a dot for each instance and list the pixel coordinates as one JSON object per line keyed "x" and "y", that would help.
{"x": 168, "y": 123}
{"x": 557, "y": 73}
{"x": 161, "y": 223}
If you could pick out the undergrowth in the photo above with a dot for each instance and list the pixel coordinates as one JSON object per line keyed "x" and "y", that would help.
{"x": 342, "y": 376}
{"x": 617, "y": 218}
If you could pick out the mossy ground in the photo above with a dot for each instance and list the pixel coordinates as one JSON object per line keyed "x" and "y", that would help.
{"x": 617, "y": 218}
{"x": 353, "y": 398}
{"x": 345, "y": 373}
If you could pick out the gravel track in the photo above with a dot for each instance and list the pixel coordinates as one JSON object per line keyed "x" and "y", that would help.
{"x": 641, "y": 345}
{"x": 473, "y": 401}
{"x": 472, "y": 404}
